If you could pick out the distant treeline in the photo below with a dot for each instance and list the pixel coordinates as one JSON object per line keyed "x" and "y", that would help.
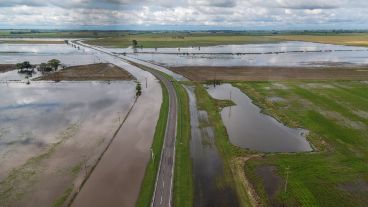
{"x": 174, "y": 34}
{"x": 25, "y": 32}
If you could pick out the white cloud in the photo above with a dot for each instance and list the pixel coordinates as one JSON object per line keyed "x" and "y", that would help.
{"x": 246, "y": 14}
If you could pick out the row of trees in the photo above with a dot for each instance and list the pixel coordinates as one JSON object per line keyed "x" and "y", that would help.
{"x": 27, "y": 67}
{"x": 51, "y": 65}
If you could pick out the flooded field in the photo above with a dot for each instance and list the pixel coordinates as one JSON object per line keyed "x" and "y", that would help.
{"x": 208, "y": 167}
{"x": 249, "y": 128}
{"x": 292, "y": 53}
{"x": 37, "y": 53}
{"x": 52, "y": 133}
{"x": 36, "y": 117}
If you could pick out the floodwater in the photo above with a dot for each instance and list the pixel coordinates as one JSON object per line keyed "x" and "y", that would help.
{"x": 117, "y": 178}
{"x": 208, "y": 169}
{"x": 290, "y": 53}
{"x": 37, "y": 53}
{"x": 249, "y": 128}
{"x": 32, "y": 117}
{"x": 35, "y": 116}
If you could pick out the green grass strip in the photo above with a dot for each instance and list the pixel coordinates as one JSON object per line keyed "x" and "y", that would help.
{"x": 183, "y": 180}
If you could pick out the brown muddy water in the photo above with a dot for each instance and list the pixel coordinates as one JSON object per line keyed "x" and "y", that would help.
{"x": 117, "y": 178}
{"x": 247, "y": 127}
{"x": 208, "y": 169}
{"x": 80, "y": 116}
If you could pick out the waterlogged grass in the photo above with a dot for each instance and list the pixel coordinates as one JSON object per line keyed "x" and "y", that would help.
{"x": 228, "y": 151}
{"x": 335, "y": 113}
{"x": 148, "y": 184}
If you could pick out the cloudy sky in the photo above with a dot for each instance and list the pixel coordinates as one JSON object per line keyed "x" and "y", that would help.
{"x": 185, "y": 14}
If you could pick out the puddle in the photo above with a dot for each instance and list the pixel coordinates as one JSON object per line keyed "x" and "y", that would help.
{"x": 249, "y": 128}
{"x": 207, "y": 164}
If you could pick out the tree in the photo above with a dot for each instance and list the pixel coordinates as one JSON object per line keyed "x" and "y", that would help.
{"x": 138, "y": 89}
{"x": 24, "y": 65}
{"x": 134, "y": 43}
{"x": 54, "y": 63}
{"x": 19, "y": 66}
{"x": 44, "y": 67}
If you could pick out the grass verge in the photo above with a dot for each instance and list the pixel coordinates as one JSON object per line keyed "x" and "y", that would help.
{"x": 148, "y": 183}
{"x": 183, "y": 180}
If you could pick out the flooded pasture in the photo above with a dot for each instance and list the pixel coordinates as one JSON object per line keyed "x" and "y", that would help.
{"x": 208, "y": 169}
{"x": 249, "y": 128}
{"x": 290, "y": 53}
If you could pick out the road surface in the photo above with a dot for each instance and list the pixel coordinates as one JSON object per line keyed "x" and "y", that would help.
{"x": 164, "y": 182}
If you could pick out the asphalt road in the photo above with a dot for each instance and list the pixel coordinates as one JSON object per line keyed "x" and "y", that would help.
{"x": 164, "y": 182}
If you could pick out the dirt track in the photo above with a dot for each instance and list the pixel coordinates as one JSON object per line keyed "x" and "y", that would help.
{"x": 100, "y": 71}
{"x": 6, "y": 67}
{"x": 249, "y": 73}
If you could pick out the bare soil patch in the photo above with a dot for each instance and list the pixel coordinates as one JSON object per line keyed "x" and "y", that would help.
{"x": 6, "y": 67}
{"x": 254, "y": 73}
{"x": 20, "y": 41}
{"x": 100, "y": 71}
{"x": 359, "y": 185}
{"x": 271, "y": 180}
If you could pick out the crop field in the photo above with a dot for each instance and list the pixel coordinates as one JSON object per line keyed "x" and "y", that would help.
{"x": 336, "y": 115}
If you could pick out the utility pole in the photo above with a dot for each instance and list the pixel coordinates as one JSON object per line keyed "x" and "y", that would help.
{"x": 146, "y": 82}
{"x": 287, "y": 177}
{"x": 152, "y": 156}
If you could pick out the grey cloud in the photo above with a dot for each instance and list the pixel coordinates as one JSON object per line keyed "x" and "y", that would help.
{"x": 248, "y": 13}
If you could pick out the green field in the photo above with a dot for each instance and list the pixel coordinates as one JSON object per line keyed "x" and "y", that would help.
{"x": 358, "y": 39}
{"x": 336, "y": 113}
